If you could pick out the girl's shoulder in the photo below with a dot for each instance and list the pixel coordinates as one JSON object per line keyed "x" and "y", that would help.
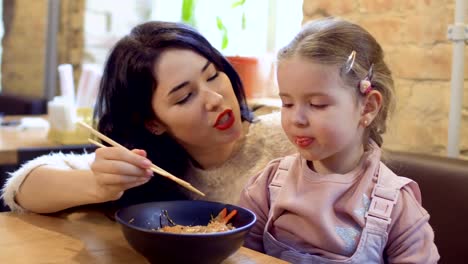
{"x": 408, "y": 207}
{"x": 409, "y": 226}
{"x": 391, "y": 180}
{"x": 264, "y": 177}
{"x": 275, "y": 172}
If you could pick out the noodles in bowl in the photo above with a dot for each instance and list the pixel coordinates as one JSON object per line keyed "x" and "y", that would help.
{"x": 216, "y": 224}
{"x": 141, "y": 226}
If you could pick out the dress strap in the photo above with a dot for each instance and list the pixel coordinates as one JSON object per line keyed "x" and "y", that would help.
{"x": 280, "y": 176}
{"x": 384, "y": 196}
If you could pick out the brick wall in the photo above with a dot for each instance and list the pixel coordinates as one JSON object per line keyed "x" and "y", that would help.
{"x": 413, "y": 35}
{"x": 24, "y": 43}
{"x": 71, "y": 35}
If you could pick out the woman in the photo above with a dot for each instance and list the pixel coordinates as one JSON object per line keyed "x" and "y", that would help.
{"x": 173, "y": 99}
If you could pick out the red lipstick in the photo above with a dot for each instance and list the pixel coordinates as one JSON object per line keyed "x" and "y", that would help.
{"x": 303, "y": 142}
{"x": 225, "y": 120}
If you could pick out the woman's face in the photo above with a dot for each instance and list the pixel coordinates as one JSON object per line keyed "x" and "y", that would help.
{"x": 194, "y": 102}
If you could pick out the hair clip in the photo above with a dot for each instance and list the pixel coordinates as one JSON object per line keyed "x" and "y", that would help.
{"x": 349, "y": 62}
{"x": 365, "y": 85}
{"x": 370, "y": 73}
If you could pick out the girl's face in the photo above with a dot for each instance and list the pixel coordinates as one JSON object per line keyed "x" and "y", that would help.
{"x": 194, "y": 102}
{"x": 319, "y": 114}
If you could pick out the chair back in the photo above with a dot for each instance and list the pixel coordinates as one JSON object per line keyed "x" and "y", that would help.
{"x": 22, "y": 105}
{"x": 444, "y": 187}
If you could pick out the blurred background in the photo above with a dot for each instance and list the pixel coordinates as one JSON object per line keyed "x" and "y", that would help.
{"x": 39, "y": 35}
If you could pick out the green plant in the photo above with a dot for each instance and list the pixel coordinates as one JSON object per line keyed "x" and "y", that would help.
{"x": 188, "y": 17}
{"x": 188, "y": 12}
{"x": 223, "y": 29}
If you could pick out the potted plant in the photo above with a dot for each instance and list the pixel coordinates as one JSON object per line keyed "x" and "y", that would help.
{"x": 246, "y": 66}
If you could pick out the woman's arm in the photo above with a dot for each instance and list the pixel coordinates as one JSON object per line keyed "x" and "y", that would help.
{"x": 47, "y": 189}
{"x": 56, "y": 182}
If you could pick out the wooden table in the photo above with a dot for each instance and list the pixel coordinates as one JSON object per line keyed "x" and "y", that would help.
{"x": 13, "y": 140}
{"x": 79, "y": 237}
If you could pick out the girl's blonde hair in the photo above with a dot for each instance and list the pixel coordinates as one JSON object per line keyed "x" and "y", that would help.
{"x": 330, "y": 41}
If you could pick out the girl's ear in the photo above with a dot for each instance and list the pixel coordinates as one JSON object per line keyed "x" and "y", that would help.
{"x": 372, "y": 105}
{"x": 156, "y": 127}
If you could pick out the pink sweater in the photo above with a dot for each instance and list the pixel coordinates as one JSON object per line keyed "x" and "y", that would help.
{"x": 324, "y": 215}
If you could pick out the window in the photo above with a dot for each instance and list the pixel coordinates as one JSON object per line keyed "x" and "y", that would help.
{"x": 269, "y": 23}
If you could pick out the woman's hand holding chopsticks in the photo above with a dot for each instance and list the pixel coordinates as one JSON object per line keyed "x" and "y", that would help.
{"x": 117, "y": 170}
{"x": 153, "y": 167}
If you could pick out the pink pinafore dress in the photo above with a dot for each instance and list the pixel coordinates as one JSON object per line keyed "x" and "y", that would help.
{"x": 374, "y": 234}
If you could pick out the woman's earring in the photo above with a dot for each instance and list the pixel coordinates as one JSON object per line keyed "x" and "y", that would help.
{"x": 365, "y": 122}
{"x": 155, "y": 127}
{"x": 157, "y": 131}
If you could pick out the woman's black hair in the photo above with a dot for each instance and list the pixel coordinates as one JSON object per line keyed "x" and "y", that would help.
{"x": 125, "y": 97}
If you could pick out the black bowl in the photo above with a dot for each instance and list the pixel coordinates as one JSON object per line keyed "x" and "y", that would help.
{"x": 140, "y": 221}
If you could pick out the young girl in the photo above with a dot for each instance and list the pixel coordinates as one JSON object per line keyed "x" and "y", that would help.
{"x": 335, "y": 201}
{"x": 176, "y": 101}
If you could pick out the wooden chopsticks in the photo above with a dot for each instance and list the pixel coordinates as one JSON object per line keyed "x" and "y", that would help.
{"x": 153, "y": 167}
